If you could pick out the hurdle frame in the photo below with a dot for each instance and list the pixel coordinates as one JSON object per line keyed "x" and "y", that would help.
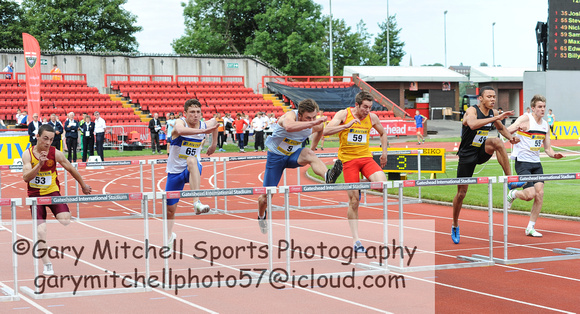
{"x": 473, "y": 261}
{"x": 568, "y": 253}
{"x": 11, "y": 294}
{"x": 204, "y": 193}
{"x": 35, "y": 201}
{"x": 369, "y": 269}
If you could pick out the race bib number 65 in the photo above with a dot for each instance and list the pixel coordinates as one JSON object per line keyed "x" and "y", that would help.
{"x": 188, "y": 149}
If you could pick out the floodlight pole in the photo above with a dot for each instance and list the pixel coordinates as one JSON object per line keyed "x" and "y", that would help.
{"x": 330, "y": 35}
{"x": 388, "y": 38}
{"x": 445, "y": 35}
{"x": 493, "y": 42}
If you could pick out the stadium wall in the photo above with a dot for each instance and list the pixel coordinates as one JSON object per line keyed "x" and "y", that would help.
{"x": 96, "y": 65}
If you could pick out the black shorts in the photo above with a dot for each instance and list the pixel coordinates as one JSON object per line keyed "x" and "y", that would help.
{"x": 524, "y": 167}
{"x": 466, "y": 165}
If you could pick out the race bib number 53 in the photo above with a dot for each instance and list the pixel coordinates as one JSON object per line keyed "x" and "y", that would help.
{"x": 42, "y": 181}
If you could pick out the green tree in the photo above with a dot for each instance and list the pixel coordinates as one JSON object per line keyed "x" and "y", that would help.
{"x": 289, "y": 36}
{"x": 348, "y": 48}
{"x": 82, "y": 25}
{"x": 12, "y": 24}
{"x": 218, "y": 26}
{"x": 379, "y": 56}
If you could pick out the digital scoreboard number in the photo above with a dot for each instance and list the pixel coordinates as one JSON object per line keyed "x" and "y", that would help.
{"x": 405, "y": 160}
{"x": 564, "y": 35}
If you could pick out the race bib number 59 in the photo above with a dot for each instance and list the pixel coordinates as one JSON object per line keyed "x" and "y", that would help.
{"x": 357, "y": 137}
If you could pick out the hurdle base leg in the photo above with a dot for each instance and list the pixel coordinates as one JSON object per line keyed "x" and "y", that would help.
{"x": 535, "y": 259}
{"x": 55, "y": 295}
{"x": 8, "y": 295}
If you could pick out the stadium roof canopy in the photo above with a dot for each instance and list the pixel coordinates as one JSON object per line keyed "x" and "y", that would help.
{"x": 498, "y": 74}
{"x": 405, "y": 74}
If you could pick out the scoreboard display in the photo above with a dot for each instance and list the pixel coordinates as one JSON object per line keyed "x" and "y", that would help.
{"x": 405, "y": 160}
{"x": 564, "y": 35}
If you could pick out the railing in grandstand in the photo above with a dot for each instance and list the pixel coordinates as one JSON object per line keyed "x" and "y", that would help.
{"x": 376, "y": 93}
{"x": 21, "y": 76}
{"x": 3, "y": 76}
{"x": 209, "y": 78}
{"x": 136, "y": 77}
{"x": 323, "y": 79}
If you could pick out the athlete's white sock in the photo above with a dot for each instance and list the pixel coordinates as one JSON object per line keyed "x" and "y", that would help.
{"x": 531, "y": 225}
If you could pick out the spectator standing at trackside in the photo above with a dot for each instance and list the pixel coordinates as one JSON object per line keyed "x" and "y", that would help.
{"x": 82, "y": 136}
{"x": 271, "y": 121}
{"x": 55, "y": 69}
{"x": 240, "y": 126}
{"x": 33, "y": 129}
{"x": 221, "y": 134}
{"x": 248, "y": 132}
{"x": 154, "y": 128}
{"x": 532, "y": 130}
{"x": 100, "y": 127}
{"x": 229, "y": 128}
{"x": 419, "y": 120}
{"x": 258, "y": 126}
{"x": 58, "y": 129}
{"x": 88, "y": 130}
{"x": 170, "y": 124}
{"x": 551, "y": 120}
{"x": 9, "y": 68}
{"x": 2, "y": 125}
{"x": 71, "y": 127}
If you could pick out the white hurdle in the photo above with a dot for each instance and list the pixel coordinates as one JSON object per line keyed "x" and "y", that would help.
{"x": 11, "y": 294}
{"x": 475, "y": 261}
{"x": 564, "y": 254}
{"x": 35, "y": 201}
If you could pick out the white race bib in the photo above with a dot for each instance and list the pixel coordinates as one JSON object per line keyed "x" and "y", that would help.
{"x": 538, "y": 140}
{"x": 42, "y": 181}
{"x": 357, "y": 137}
{"x": 288, "y": 146}
{"x": 479, "y": 138}
{"x": 188, "y": 149}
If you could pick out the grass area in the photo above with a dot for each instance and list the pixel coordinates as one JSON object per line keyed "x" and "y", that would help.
{"x": 560, "y": 197}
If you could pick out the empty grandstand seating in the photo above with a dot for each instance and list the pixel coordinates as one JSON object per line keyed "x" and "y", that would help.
{"x": 219, "y": 96}
{"x": 60, "y": 97}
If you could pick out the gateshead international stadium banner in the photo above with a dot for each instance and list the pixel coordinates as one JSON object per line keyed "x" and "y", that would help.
{"x": 32, "y": 65}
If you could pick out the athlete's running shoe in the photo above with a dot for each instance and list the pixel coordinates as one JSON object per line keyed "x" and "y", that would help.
{"x": 515, "y": 185}
{"x": 359, "y": 248}
{"x": 511, "y": 197}
{"x": 171, "y": 240}
{"x": 455, "y": 234}
{"x": 48, "y": 270}
{"x": 533, "y": 233}
{"x": 334, "y": 173}
{"x": 263, "y": 223}
{"x": 200, "y": 208}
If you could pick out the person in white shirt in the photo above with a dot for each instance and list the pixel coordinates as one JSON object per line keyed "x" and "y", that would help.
{"x": 533, "y": 132}
{"x": 258, "y": 125}
{"x": 100, "y": 126}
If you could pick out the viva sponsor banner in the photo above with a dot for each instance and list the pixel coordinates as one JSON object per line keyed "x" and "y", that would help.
{"x": 32, "y": 66}
{"x": 12, "y": 147}
{"x": 567, "y": 130}
{"x": 396, "y": 127}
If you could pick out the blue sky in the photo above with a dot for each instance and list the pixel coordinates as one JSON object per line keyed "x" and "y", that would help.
{"x": 469, "y": 27}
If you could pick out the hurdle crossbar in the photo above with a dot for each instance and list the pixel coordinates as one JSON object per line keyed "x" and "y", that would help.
{"x": 564, "y": 254}
{"x": 49, "y": 200}
{"x": 475, "y": 261}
